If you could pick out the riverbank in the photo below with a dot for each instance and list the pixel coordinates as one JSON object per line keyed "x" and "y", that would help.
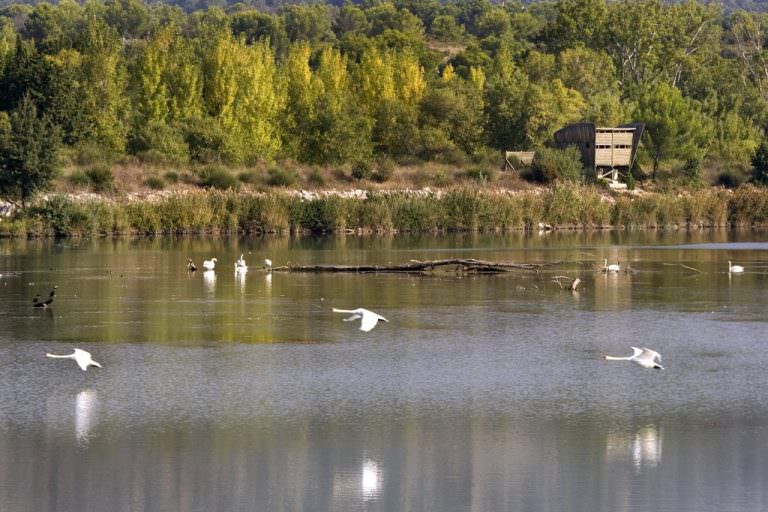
{"x": 456, "y": 209}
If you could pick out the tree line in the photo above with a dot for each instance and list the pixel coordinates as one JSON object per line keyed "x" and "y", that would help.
{"x": 409, "y": 80}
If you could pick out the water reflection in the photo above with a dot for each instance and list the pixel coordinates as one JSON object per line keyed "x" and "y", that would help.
{"x": 371, "y": 480}
{"x": 86, "y": 402}
{"x": 240, "y": 273}
{"x": 209, "y": 277}
{"x": 642, "y": 446}
{"x": 365, "y": 483}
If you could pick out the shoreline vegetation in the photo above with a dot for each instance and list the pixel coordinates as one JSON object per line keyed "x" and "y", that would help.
{"x": 456, "y": 209}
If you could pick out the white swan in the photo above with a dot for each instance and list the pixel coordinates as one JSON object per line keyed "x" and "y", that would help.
{"x": 736, "y": 269}
{"x": 82, "y": 358}
{"x": 268, "y": 264}
{"x": 240, "y": 264}
{"x": 370, "y": 319}
{"x": 645, "y": 357}
{"x": 209, "y": 264}
{"x": 613, "y": 267}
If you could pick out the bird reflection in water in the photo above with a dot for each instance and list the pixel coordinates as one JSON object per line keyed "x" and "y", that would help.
{"x": 643, "y": 446}
{"x": 209, "y": 277}
{"x": 646, "y": 447}
{"x": 85, "y": 415}
{"x": 371, "y": 480}
{"x": 268, "y": 281}
{"x": 365, "y": 483}
{"x": 240, "y": 278}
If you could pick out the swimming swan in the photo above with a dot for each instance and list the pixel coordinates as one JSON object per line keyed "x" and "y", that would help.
{"x": 81, "y": 357}
{"x": 209, "y": 264}
{"x": 736, "y": 269}
{"x": 240, "y": 264}
{"x": 370, "y": 319}
{"x": 613, "y": 267}
{"x": 645, "y": 357}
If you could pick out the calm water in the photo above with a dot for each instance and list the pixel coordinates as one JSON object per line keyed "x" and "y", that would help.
{"x": 484, "y": 393}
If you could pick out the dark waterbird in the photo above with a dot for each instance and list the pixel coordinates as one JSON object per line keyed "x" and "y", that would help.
{"x": 191, "y": 267}
{"x": 37, "y": 303}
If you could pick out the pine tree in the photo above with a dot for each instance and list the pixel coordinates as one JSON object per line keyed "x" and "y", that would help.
{"x": 28, "y": 153}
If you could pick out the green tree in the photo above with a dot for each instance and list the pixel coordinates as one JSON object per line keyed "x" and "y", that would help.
{"x": 760, "y": 164}
{"x": 674, "y": 125}
{"x": 28, "y": 153}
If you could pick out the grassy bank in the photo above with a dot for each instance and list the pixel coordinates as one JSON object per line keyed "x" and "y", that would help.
{"x": 458, "y": 209}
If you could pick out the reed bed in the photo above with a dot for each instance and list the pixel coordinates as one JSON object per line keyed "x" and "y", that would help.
{"x": 457, "y": 209}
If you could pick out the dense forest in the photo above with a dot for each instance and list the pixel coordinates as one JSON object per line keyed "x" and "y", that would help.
{"x": 408, "y": 80}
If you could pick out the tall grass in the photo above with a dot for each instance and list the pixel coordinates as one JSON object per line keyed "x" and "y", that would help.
{"x": 465, "y": 208}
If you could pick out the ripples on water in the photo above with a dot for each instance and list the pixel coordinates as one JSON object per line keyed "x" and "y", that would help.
{"x": 243, "y": 392}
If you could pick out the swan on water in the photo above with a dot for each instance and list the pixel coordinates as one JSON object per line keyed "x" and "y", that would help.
{"x": 369, "y": 318}
{"x": 37, "y": 303}
{"x": 209, "y": 264}
{"x": 613, "y": 267}
{"x": 268, "y": 264}
{"x": 82, "y": 358}
{"x": 736, "y": 269}
{"x": 240, "y": 265}
{"x": 645, "y": 357}
{"x": 191, "y": 267}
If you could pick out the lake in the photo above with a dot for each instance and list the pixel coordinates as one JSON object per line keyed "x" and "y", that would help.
{"x": 483, "y": 392}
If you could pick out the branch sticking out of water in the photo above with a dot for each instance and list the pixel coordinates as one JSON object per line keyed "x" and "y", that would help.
{"x": 684, "y": 266}
{"x": 469, "y": 265}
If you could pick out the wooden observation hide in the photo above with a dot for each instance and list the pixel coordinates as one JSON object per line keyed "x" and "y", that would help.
{"x": 602, "y": 148}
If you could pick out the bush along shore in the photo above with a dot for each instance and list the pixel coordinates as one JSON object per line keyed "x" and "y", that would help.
{"x": 458, "y": 209}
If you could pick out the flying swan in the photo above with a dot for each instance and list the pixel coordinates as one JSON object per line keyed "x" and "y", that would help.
{"x": 370, "y": 319}
{"x": 82, "y": 358}
{"x": 645, "y": 357}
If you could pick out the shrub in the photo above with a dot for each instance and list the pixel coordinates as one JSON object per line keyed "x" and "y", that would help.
{"x": 385, "y": 167}
{"x": 551, "y": 164}
{"x": 316, "y": 179}
{"x": 361, "y": 170}
{"x": 728, "y": 179}
{"x": 214, "y": 176}
{"x": 480, "y": 175}
{"x": 206, "y": 141}
{"x": 79, "y": 179}
{"x": 281, "y": 178}
{"x": 249, "y": 177}
{"x": 171, "y": 177}
{"x": 101, "y": 178}
{"x": 159, "y": 143}
{"x": 155, "y": 183}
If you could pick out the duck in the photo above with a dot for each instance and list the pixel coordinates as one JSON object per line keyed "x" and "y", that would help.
{"x": 37, "y": 303}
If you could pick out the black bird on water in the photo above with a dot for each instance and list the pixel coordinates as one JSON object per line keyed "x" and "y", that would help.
{"x": 191, "y": 266}
{"x": 37, "y": 303}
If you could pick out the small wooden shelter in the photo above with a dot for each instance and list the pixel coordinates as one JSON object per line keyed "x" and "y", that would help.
{"x": 607, "y": 150}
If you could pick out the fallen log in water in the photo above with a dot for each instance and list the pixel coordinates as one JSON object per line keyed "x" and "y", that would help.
{"x": 470, "y": 265}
